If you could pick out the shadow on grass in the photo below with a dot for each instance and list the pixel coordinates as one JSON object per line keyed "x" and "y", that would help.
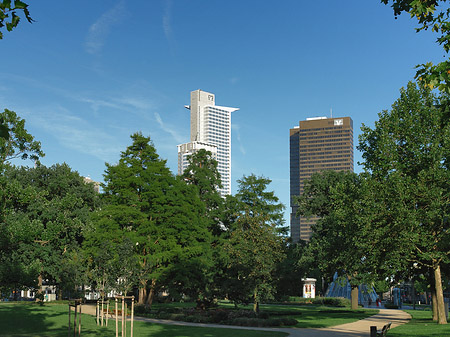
{"x": 30, "y": 319}
{"x": 421, "y": 325}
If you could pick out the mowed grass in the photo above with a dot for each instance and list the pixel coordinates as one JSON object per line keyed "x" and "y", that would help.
{"x": 29, "y": 319}
{"x": 421, "y": 325}
{"x": 315, "y": 316}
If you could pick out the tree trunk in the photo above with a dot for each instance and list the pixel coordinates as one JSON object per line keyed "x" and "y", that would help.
{"x": 151, "y": 293}
{"x": 354, "y": 296}
{"x": 142, "y": 292}
{"x": 255, "y": 302}
{"x": 439, "y": 295}
{"x": 39, "y": 290}
{"x": 434, "y": 300}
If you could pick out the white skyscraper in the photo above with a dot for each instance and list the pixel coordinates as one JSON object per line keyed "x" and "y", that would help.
{"x": 211, "y": 130}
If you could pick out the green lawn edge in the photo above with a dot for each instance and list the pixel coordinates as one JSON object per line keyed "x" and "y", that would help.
{"x": 421, "y": 324}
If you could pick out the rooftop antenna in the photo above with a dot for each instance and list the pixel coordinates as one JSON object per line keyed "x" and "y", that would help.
{"x": 331, "y": 112}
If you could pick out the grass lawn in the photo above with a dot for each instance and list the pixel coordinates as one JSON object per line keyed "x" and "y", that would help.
{"x": 29, "y": 319}
{"x": 316, "y": 316}
{"x": 421, "y": 325}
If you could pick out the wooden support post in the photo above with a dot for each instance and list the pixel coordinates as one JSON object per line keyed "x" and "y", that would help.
{"x": 123, "y": 316}
{"x": 75, "y": 321}
{"x": 132, "y": 315}
{"x": 68, "y": 332}
{"x": 79, "y": 320}
{"x": 125, "y": 321}
{"x": 373, "y": 331}
{"x": 102, "y": 314}
{"x": 117, "y": 320}
{"x": 107, "y": 312}
{"x": 98, "y": 313}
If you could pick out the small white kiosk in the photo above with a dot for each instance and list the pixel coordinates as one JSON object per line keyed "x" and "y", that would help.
{"x": 309, "y": 287}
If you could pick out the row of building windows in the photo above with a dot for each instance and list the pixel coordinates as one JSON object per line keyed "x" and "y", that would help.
{"x": 326, "y": 143}
{"x": 342, "y": 161}
{"x": 225, "y": 116}
{"x": 223, "y": 124}
{"x": 324, "y": 147}
{"x": 320, "y": 154}
{"x": 318, "y": 129}
{"x": 303, "y": 135}
{"x": 331, "y": 140}
{"x": 333, "y": 136}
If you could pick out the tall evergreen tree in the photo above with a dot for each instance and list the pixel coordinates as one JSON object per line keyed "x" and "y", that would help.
{"x": 156, "y": 211}
{"x": 202, "y": 172}
{"x": 253, "y": 194}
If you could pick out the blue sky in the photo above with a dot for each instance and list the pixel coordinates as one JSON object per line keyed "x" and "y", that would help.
{"x": 87, "y": 74}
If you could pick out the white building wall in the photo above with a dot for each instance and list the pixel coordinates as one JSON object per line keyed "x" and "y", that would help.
{"x": 211, "y": 125}
{"x": 187, "y": 149}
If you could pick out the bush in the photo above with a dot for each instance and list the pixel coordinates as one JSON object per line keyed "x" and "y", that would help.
{"x": 140, "y": 309}
{"x": 332, "y": 301}
{"x": 283, "y": 312}
{"x": 218, "y": 316}
{"x": 264, "y": 315}
{"x": 390, "y": 305}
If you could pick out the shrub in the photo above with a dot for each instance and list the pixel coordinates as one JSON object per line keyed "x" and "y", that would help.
{"x": 389, "y": 305}
{"x": 332, "y": 301}
{"x": 283, "y": 312}
{"x": 242, "y": 314}
{"x": 218, "y": 316}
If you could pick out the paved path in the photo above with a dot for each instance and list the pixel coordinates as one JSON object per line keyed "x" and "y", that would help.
{"x": 360, "y": 328}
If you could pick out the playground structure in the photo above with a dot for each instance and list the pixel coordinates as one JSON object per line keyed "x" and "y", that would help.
{"x": 342, "y": 288}
{"x": 103, "y": 310}
{"x": 76, "y": 304}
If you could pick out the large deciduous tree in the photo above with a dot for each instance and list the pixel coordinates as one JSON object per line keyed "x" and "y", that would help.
{"x": 339, "y": 240}
{"x": 407, "y": 154}
{"x": 253, "y": 249}
{"x": 15, "y": 142}
{"x": 46, "y": 215}
{"x": 252, "y": 243}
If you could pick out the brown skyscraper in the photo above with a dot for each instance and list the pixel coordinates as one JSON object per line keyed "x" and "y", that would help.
{"x": 317, "y": 144}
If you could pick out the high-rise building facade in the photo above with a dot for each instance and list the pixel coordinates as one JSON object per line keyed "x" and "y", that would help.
{"x": 317, "y": 144}
{"x": 185, "y": 150}
{"x": 210, "y": 129}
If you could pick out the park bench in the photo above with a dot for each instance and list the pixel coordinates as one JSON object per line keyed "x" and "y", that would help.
{"x": 384, "y": 330}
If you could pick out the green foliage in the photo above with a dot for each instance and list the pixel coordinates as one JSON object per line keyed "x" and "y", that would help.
{"x": 433, "y": 15}
{"x": 9, "y": 10}
{"x": 161, "y": 215}
{"x": 45, "y": 215}
{"x": 253, "y": 250}
{"x": 408, "y": 153}
{"x": 407, "y": 156}
{"x": 252, "y": 192}
{"x": 338, "y": 242}
{"x": 289, "y": 273}
{"x": 202, "y": 172}
{"x": 18, "y": 143}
